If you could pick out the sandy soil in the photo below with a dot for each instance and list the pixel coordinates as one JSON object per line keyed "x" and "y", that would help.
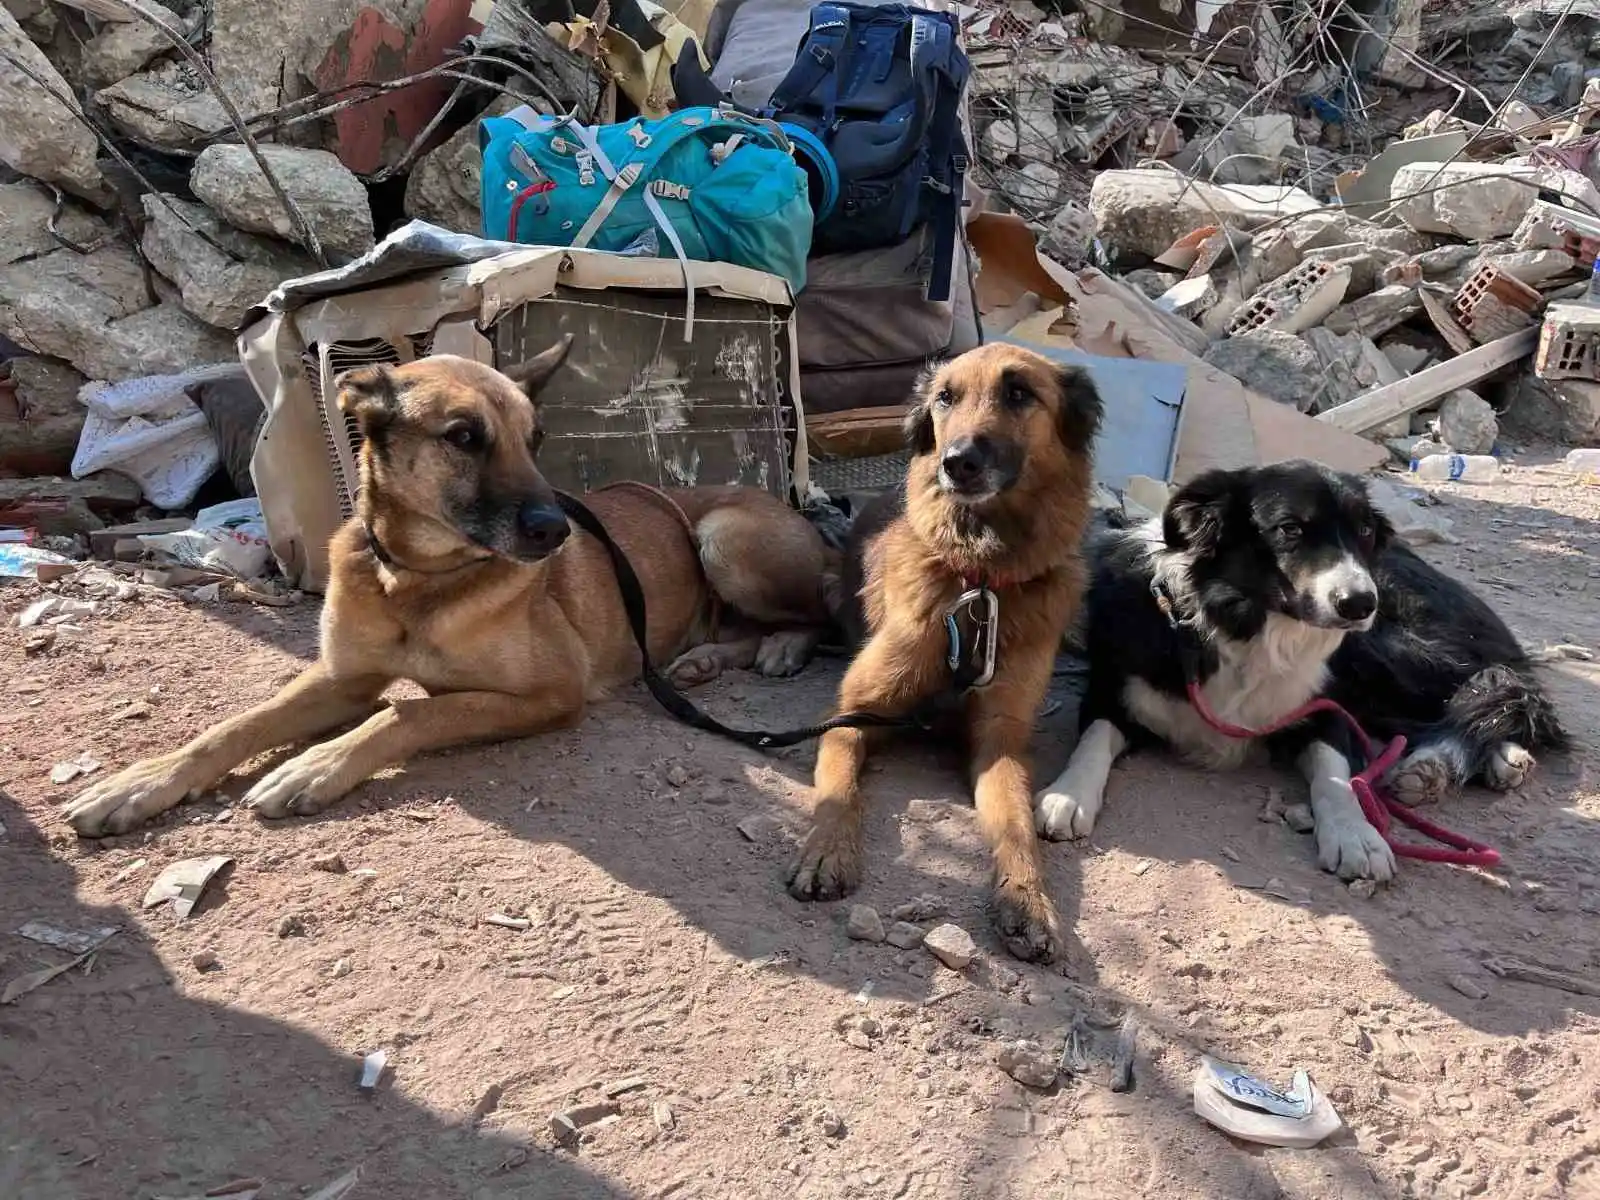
{"x": 758, "y": 1050}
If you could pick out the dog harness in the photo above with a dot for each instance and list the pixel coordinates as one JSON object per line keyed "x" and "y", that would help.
{"x": 1377, "y": 805}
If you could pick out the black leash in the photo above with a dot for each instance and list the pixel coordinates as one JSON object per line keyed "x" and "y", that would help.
{"x": 674, "y": 701}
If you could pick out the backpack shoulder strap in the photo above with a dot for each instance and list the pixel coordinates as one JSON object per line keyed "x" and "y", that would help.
{"x": 821, "y": 52}
{"x": 934, "y": 51}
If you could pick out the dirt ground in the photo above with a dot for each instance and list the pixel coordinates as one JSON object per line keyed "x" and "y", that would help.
{"x": 754, "y": 1049}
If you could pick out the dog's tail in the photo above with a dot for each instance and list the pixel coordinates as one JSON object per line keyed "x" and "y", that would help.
{"x": 1503, "y": 704}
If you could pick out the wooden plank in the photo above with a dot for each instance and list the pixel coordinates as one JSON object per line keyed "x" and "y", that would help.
{"x": 857, "y": 432}
{"x": 1384, "y": 404}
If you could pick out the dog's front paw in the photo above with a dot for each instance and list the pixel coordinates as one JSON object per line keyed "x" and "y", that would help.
{"x": 1027, "y": 923}
{"x": 1509, "y": 767}
{"x": 306, "y": 784}
{"x": 695, "y": 668}
{"x": 131, "y": 797}
{"x": 829, "y": 865}
{"x": 1352, "y": 849}
{"x": 785, "y": 652}
{"x": 1421, "y": 778}
{"x": 1058, "y": 814}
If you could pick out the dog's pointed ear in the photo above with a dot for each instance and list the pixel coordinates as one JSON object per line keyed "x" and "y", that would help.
{"x": 1194, "y": 517}
{"x": 1080, "y": 409}
{"x": 371, "y": 396}
{"x": 918, "y": 425}
{"x": 532, "y": 375}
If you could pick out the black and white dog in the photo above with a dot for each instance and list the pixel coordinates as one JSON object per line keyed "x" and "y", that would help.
{"x": 1287, "y": 583}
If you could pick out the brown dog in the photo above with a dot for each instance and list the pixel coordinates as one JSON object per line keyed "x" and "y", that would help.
{"x": 449, "y": 577}
{"x": 997, "y": 495}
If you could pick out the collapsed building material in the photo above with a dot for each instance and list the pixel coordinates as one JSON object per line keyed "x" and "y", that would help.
{"x": 162, "y": 340}
{"x": 1492, "y": 304}
{"x": 445, "y": 184}
{"x": 43, "y": 435}
{"x": 60, "y": 303}
{"x": 1276, "y": 364}
{"x": 1384, "y": 404}
{"x": 42, "y": 133}
{"x": 220, "y": 272}
{"x": 1376, "y": 314}
{"x": 1471, "y": 200}
{"x": 167, "y": 108}
{"x": 1569, "y": 343}
{"x": 334, "y": 201}
{"x": 1294, "y": 302}
{"x": 26, "y": 210}
{"x": 1467, "y": 423}
{"x": 119, "y": 50}
{"x": 1144, "y": 212}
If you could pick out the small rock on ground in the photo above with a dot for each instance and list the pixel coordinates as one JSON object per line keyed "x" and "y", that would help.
{"x": 952, "y": 946}
{"x": 1027, "y": 1063}
{"x": 903, "y": 935}
{"x": 864, "y": 924}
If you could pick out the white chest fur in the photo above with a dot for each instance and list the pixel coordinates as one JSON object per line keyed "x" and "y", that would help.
{"x": 1256, "y": 683}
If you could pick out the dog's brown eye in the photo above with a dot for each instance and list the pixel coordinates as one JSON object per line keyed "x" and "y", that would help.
{"x": 1289, "y": 531}
{"x": 944, "y": 399}
{"x": 1018, "y": 397}
{"x": 1365, "y": 533}
{"x": 464, "y": 437}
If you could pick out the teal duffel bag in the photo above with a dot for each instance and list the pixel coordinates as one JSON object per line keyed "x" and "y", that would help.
{"x": 716, "y": 185}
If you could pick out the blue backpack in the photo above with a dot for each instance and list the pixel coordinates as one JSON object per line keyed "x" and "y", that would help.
{"x": 719, "y": 185}
{"x": 880, "y": 87}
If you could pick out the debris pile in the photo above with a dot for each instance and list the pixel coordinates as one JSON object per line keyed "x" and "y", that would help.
{"x": 167, "y": 163}
{"x": 1383, "y": 205}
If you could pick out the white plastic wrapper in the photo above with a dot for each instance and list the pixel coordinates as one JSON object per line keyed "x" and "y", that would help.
{"x": 230, "y": 537}
{"x": 148, "y": 430}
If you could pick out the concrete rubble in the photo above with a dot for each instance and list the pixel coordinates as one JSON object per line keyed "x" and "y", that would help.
{"x": 1300, "y": 235}
{"x": 1327, "y": 236}
{"x": 334, "y": 201}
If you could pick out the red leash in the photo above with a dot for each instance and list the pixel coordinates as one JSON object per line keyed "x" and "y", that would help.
{"x": 1376, "y": 804}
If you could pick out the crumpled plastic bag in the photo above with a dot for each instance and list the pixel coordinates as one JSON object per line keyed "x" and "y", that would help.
{"x": 229, "y": 537}
{"x": 150, "y": 431}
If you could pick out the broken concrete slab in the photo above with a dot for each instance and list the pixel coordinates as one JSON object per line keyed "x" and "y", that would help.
{"x": 43, "y": 134}
{"x": 218, "y": 285}
{"x": 1369, "y": 191}
{"x": 1364, "y": 262}
{"x": 119, "y": 50}
{"x": 444, "y": 185}
{"x": 1467, "y": 423}
{"x": 333, "y": 200}
{"x": 25, "y": 210}
{"x": 1295, "y": 301}
{"x": 1475, "y": 201}
{"x": 1376, "y": 314}
{"x": 167, "y": 108}
{"x": 163, "y": 340}
{"x": 1384, "y": 404}
{"x": 1566, "y": 411}
{"x": 1274, "y": 363}
{"x": 105, "y": 494}
{"x": 60, "y": 303}
{"x": 1142, "y": 212}
{"x": 40, "y": 440}
{"x": 1351, "y": 364}
{"x": 1534, "y": 267}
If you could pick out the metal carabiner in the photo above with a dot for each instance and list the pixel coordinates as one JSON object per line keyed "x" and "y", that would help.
{"x": 985, "y": 637}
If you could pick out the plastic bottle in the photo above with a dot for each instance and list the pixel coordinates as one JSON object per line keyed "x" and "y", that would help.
{"x": 1584, "y": 462}
{"x": 1457, "y": 468}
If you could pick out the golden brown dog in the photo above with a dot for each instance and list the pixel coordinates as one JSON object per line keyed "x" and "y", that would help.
{"x": 998, "y": 495}
{"x": 449, "y": 577}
